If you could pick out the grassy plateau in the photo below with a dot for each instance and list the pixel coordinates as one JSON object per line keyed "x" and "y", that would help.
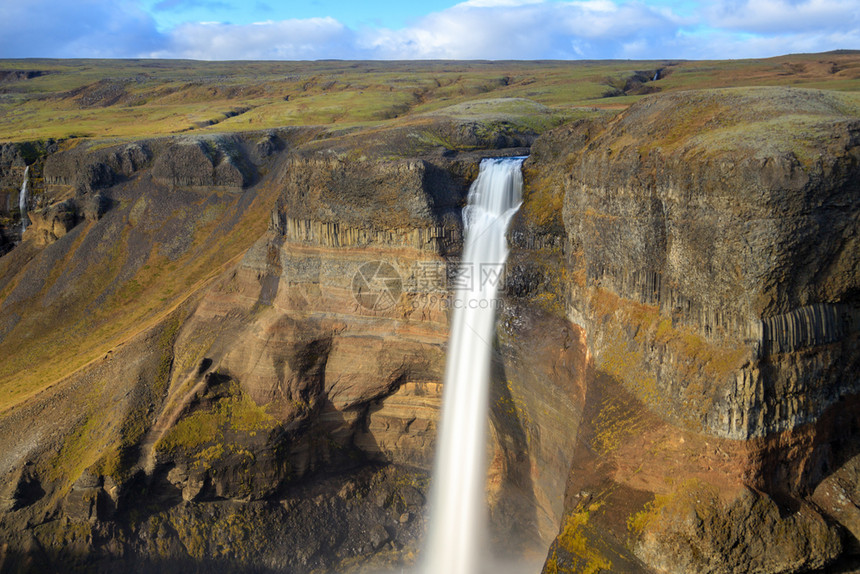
{"x": 127, "y": 99}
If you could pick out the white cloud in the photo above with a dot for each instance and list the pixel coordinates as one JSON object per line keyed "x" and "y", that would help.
{"x": 307, "y": 39}
{"x": 522, "y": 31}
{"x": 498, "y": 3}
{"x": 782, "y": 17}
{"x": 728, "y": 45}
{"x": 473, "y": 29}
{"x": 596, "y": 5}
{"x": 80, "y": 28}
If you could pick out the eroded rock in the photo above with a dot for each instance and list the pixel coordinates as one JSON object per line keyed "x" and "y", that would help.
{"x": 197, "y": 162}
{"x": 694, "y": 531}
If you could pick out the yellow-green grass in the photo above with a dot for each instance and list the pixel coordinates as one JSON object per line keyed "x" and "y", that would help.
{"x": 133, "y": 98}
{"x": 236, "y": 413}
{"x": 800, "y": 121}
{"x": 175, "y": 96}
{"x": 50, "y": 344}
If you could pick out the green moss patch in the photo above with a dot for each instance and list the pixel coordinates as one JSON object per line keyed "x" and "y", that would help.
{"x": 234, "y": 413}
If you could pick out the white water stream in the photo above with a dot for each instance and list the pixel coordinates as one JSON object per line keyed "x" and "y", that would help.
{"x": 458, "y": 512}
{"x": 23, "y": 198}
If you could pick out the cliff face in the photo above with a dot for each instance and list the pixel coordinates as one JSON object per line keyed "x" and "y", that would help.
{"x": 227, "y": 351}
{"x": 751, "y": 245}
{"x": 356, "y": 378}
{"x": 712, "y": 249}
{"x": 14, "y": 159}
{"x": 261, "y": 385}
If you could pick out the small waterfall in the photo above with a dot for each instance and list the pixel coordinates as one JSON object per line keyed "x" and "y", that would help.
{"x": 458, "y": 513}
{"x": 23, "y": 197}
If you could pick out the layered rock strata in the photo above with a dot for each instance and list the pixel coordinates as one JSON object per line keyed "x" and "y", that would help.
{"x": 226, "y": 351}
{"x": 280, "y": 369}
{"x": 712, "y": 249}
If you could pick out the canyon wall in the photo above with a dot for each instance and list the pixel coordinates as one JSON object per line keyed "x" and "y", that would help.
{"x": 711, "y": 253}
{"x": 236, "y": 368}
{"x": 226, "y": 351}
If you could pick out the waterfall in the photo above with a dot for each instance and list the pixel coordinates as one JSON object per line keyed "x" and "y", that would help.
{"x": 22, "y": 199}
{"x": 458, "y": 513}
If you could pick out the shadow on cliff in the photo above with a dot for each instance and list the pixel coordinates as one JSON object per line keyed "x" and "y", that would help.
{"x": 70, "y": 561}
{"x": 597, "y": 505}
{"x": 794, "y": 463}
{"x": 514, "y": 516}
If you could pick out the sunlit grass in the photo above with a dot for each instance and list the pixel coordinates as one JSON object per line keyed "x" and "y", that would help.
{"x": 168, "y": 97}
{"x": 52, "y": 342}
{"x": 134, "y": 98}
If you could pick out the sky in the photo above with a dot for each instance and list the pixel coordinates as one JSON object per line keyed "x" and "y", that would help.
{"x": 425, "y": 29}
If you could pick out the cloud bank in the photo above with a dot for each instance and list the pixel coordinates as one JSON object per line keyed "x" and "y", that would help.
{"x": 475, "y": 29}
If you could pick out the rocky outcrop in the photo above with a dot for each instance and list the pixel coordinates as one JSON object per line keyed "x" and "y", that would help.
{"x": 11, "y": 157}
{"x": 696, "y": 532}
{"x": 20, "y": 75}
{"x": 202, "y": 162}
{"x": 83, "y": 170}
{"x": 674, "y": 382}
{"x": 838, "y": 496}
{"x": 353, "y": 192}
{"x": 713, "y": 269}
{"x": 55, "y": 221}
{"x": 49, "y": 224}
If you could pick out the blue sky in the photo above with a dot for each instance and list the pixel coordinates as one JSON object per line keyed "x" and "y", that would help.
{"x": 437, "y": 29}
{"x": 388, "y": 13}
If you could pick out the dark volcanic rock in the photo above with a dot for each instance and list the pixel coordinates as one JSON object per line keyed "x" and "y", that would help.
{"x": 5, "y": 244}
{"x": 266, "y": 146}
{"x": 100, "y": 94}
{"x": 20, "y": 75}
{"x": 712, "y": 248}
{"x": 86, "y": 171}
{"x": 674, "y": 375}
{"x": 198, "y": 162}
{"x": 95, "y": 206}
{"x": 10, "y": 156}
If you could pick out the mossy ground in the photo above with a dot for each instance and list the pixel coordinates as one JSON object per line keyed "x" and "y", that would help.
{"x": 233, "y": 413}
{"x": 54, "y": 340}
{"x": 584, "y": 555}
{"x": 632, "y": 332}
{"x": 133, "y": 98}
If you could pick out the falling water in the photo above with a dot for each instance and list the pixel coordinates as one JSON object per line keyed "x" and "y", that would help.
{"x": 458, "y": 514}
{"x": 22, "y": 199}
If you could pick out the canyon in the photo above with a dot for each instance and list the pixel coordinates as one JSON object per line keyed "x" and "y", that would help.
{"x": 192, "y": 380}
